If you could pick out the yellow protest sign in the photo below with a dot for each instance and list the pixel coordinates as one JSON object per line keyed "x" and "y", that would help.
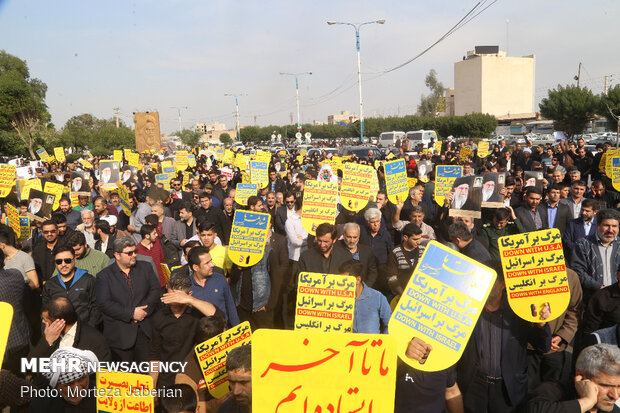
{"x": 133, "y": 159}
{"x": 123, "y": 195}
{"x": 259, "y": 174}
{"x": 263, "y": 156}
{"x": 465, "y": 151}
{"x": 191, "y": 160}
{"x": 212, "y": 355}
{"x": 240, "y": 162}
{"x": 181, "y": 160}
{"x": 6, "y": 318}
{"x": 303, "y": 152}
{"x": 59, "y": 153}
{"x": 13, "y": 216}
{"x": 229, "y": 157}
{"x": 441, "y": 304}
{"x": 24, "y": 228}
{"x": 325, "y": 302}
{"x": 396, "y": 181}
{"x": 163, "y": 179}
{"x": 308, "y": 371}
{"x": 356, "y": 183}
{"x": 390, "y": 156}
{"x": 86, "y": 164}
{"x": 445, "y": 175}
{"x": 26, "y": 185}
{"x": 166, "y": 164}
{"x": 118, "y": 156}
{"x": 319, "y": 205}
{"x": 411, "y": 182}
{"x": 535, "y": 273}
{"x": 244, "y": 191}
{"x": 483, "y": 149}
{"x": 7, "y": 179}
{"x": 248, "y": 237}
{"x": 54, "y": 189}
{"x": 608, "y": 163}
{"x": 437, "y": 146}
{"x": 124, "y": 392}
{"x": 615, "y": 172}
{"x": 43, "y": 155}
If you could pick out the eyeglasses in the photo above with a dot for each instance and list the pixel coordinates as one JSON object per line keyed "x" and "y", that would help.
{"x": 290, "y": 202}
{"x": 52, "y": 231}
{"x": 130, "y": 253}
{"x": 65, "y": 260}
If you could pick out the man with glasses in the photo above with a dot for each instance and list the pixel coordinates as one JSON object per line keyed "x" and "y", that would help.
{"x": 43, "y": 254}
{"x": 77, "y": 285}
{"x": 283, "y": 213}
{"x": 127, "y": 292}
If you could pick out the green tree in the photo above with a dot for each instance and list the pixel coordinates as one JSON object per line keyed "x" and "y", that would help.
{"x": 429, "y": 104}
{"x": 24, "y": 119}
{"x": 610, "y": 107}
{"x": 189, "y": 137}
{"x": 225, "y": 138}
{"x": 570, "y": 107}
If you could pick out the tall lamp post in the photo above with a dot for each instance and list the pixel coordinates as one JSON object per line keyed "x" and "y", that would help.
{"x": 357, "y": 27}
{"x": 179, "y": 112}
{"x": 297, "y": 92}
{"x": 236, "y": 96}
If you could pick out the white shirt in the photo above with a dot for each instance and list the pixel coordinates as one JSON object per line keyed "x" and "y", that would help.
{"x": 294, "y": 230}
{"x": 68, "y": 339}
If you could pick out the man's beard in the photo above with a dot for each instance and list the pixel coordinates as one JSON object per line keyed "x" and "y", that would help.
{"x": 486, "y": 194}
{"x": 34, "y": 209}
{"x": 459, "y": 201}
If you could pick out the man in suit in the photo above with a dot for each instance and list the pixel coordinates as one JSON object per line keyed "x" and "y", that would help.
{"x": 128, "y": 293}
{"x": 581, "y": 227}
{"x": 558, "y": 214}
{"x": 533, "y": 216}
{"x": 574, "y": 200}
{"x": 359, "y": 252}
{"x": 283, "y": 212}
{"x": 492, "y": 373}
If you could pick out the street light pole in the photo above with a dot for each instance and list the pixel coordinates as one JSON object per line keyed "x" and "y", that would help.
{"x": 179, "y": 112}
{"x": 297, "y": 92}
{"x": 359, "y": 65}
{"x": 236, "y": 96}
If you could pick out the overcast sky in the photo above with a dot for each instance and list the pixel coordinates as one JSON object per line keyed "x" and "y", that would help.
{"x": 138, "y": 56}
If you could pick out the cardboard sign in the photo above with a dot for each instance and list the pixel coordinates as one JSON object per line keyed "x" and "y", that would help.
{"x": 239, "y": 161}
{"x": 163, "y": 179}
{"x": 26, "y": 185}
{"x": 124, "y": 392}
{"x": 308, "y": 371}
{"x": 248, "y": 237}
{"x": 191, "y": 160}
{"x": 411, "y": 182}
{"x": 229, "y": 157}
{"x": 356, "y": 183}
{"x": 263, "y": 156}
{"x": 535, "y": 273}
{"x": 109, "y": 174}
{"x": 615, "y": 172}
{"x": 325, "y": 302}
{"x": 6, "y": 317}
{"x": 55, "y": 189}
{"x": 259, "y": 173}
{"x": 244, "y": 191}
{"x": 445, "y": 175}
{"x": 24, "y": 228}
{"x": 86, "y": 164}
{"x": 483, "y": 149}
{"x": 212, "y": 356}
{"x": 437, "y": 146}
{"x": 59, "y": 153}
{"x": 396, "y": 181}
{"x": 7, "y": 179}
{"x": 182, "y": 160}
{"x": 43, "y": 155}
{"x": 465, "y": 151}
{"x": 319, "y": 205}
{"x": 118, "y": 155}
{"x": 441, "y": 305}
{"x": 133, "y": 159}
{"x": 123, "y": 195}
{"x": 12, "y": 215}
{"x": 611, "y": 153}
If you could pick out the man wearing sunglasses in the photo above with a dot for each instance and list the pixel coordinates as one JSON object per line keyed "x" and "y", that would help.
{"x": 43, "y": 254}
{"x": 127, "y": 294}
{"x": 73, "y": 283}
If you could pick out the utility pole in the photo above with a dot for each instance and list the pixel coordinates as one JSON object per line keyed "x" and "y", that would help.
{"x": 116, "y": 116}
{"x": 236, "y": 96}
{"x": 296, "y": 75}
{"x": 507, "y": 36}
{"x": 578, "y": 77}
{"x": 179, "y": 112}
{"x": 606, "y": 88}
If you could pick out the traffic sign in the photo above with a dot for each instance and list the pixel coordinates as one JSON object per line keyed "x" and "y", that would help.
{"x": 308, "y": 135}
{"x": 298, "y": 135}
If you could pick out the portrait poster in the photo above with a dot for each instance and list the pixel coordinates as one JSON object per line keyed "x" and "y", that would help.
{"x": 492, "y": 184}
{"x": 533, "y": 178}
{"x": 445, "y": 175}
{"x": 424, "y": 168}
{"x": 467, "y": 198}
{"x": 146, "y": 126}
{"x": 40, "y": 203}
{"x": 79, "y": 183}
{"x": 109, "y": 174}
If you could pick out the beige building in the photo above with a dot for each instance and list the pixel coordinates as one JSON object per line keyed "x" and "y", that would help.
{"x": 344, "y": 116}
{"x": 211, "y": 131}
{"x": 488, "y": 81}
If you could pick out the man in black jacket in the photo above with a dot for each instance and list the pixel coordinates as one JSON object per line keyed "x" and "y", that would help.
{"x": 214, "y": 215}
{"x": 359, "y": 252}
{"x": 323, "y": 258}
{"x": 43, "y": 252}
{"x": 75, "y": 284}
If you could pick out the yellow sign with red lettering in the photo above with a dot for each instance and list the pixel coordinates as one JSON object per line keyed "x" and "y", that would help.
{"x": 309, "y": 371}
{"x": 55, "y": 189}
{"x": 319, "y": 205}
{"x": 6, "y": 317}
{"x": 356, "y": 183}
{"x": 125, "y": 392}
{"x": 535, "y": 273}
{"x": 483, "y": 149}
{"x": 396, "y": 181}
{"x": 7, "y": 179}
{"x": 248, "y": 237}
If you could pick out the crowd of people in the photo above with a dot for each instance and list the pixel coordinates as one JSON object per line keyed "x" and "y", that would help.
{"x": 150, "y": 280}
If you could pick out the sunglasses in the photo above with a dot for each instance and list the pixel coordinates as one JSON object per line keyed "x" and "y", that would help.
{"x": 66, "y": 261}
{"x": 290, "y": 202}
{"x": 53, "y": 231}
{"x": 130, "y": 253}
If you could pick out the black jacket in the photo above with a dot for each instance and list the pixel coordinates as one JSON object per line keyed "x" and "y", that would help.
{"x": 216, "y": 216}
{"x": 86, "y": 338}
{"x": 367, "y": 259}
{"x": 81, "y": 293}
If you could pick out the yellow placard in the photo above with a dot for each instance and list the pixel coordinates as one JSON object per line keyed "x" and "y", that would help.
{"x": 212, "y": 355}
{"x": 181, "y": 160}
{"x": 465, "y": 151}
{"x": 615, "y": 171}
{"x": 441, "y": 305}
{"x": 356, "y": 183}
{"x": 166, "y": 164}
{"x": 243, "y": 192}
{"x": 309, "y": 371}
{"x": 123, "y": 195}
{"x": 124, "y": 392}
{"x": 320, "y": 202}
{"x": 608, "y": 164}
{"x": 59, "y": 153}
{"x": 7, "y": 179}
{"x": 43, "y": 155}
{"x": 535, "y": 273}
{"x": 133, "y": 159}
{"x": 437, "y": 146}
{"x": 445, "y": 175}
{"x": 396, "y": 181}
{"x": 325, "y": 302}
{"x": 26, "y": 185}
{"x": 86, "y": 164}
{"x": 259, "y": 173}
{"x": 13, "y": 216}
{"x": 24, "y": 228}
{"x": 411, "y": 182}
{"x": 483, "y": 149}
{"x": 300, "y": 159}
{"x": 303, "y": 152}
{"x": 240, "y": 161}
{"x": 263, "y": 156}
{"x": 390, "y": 156}
{"x": 54, "y": 189}
{"x": 229, "y": 157}
{"x": 163, "y": 179}
{"x": 118, "y": 156}
{"x": 6, "y": 317}
{"x": 191, "y": 160}
{"x": 248, "y": 237}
